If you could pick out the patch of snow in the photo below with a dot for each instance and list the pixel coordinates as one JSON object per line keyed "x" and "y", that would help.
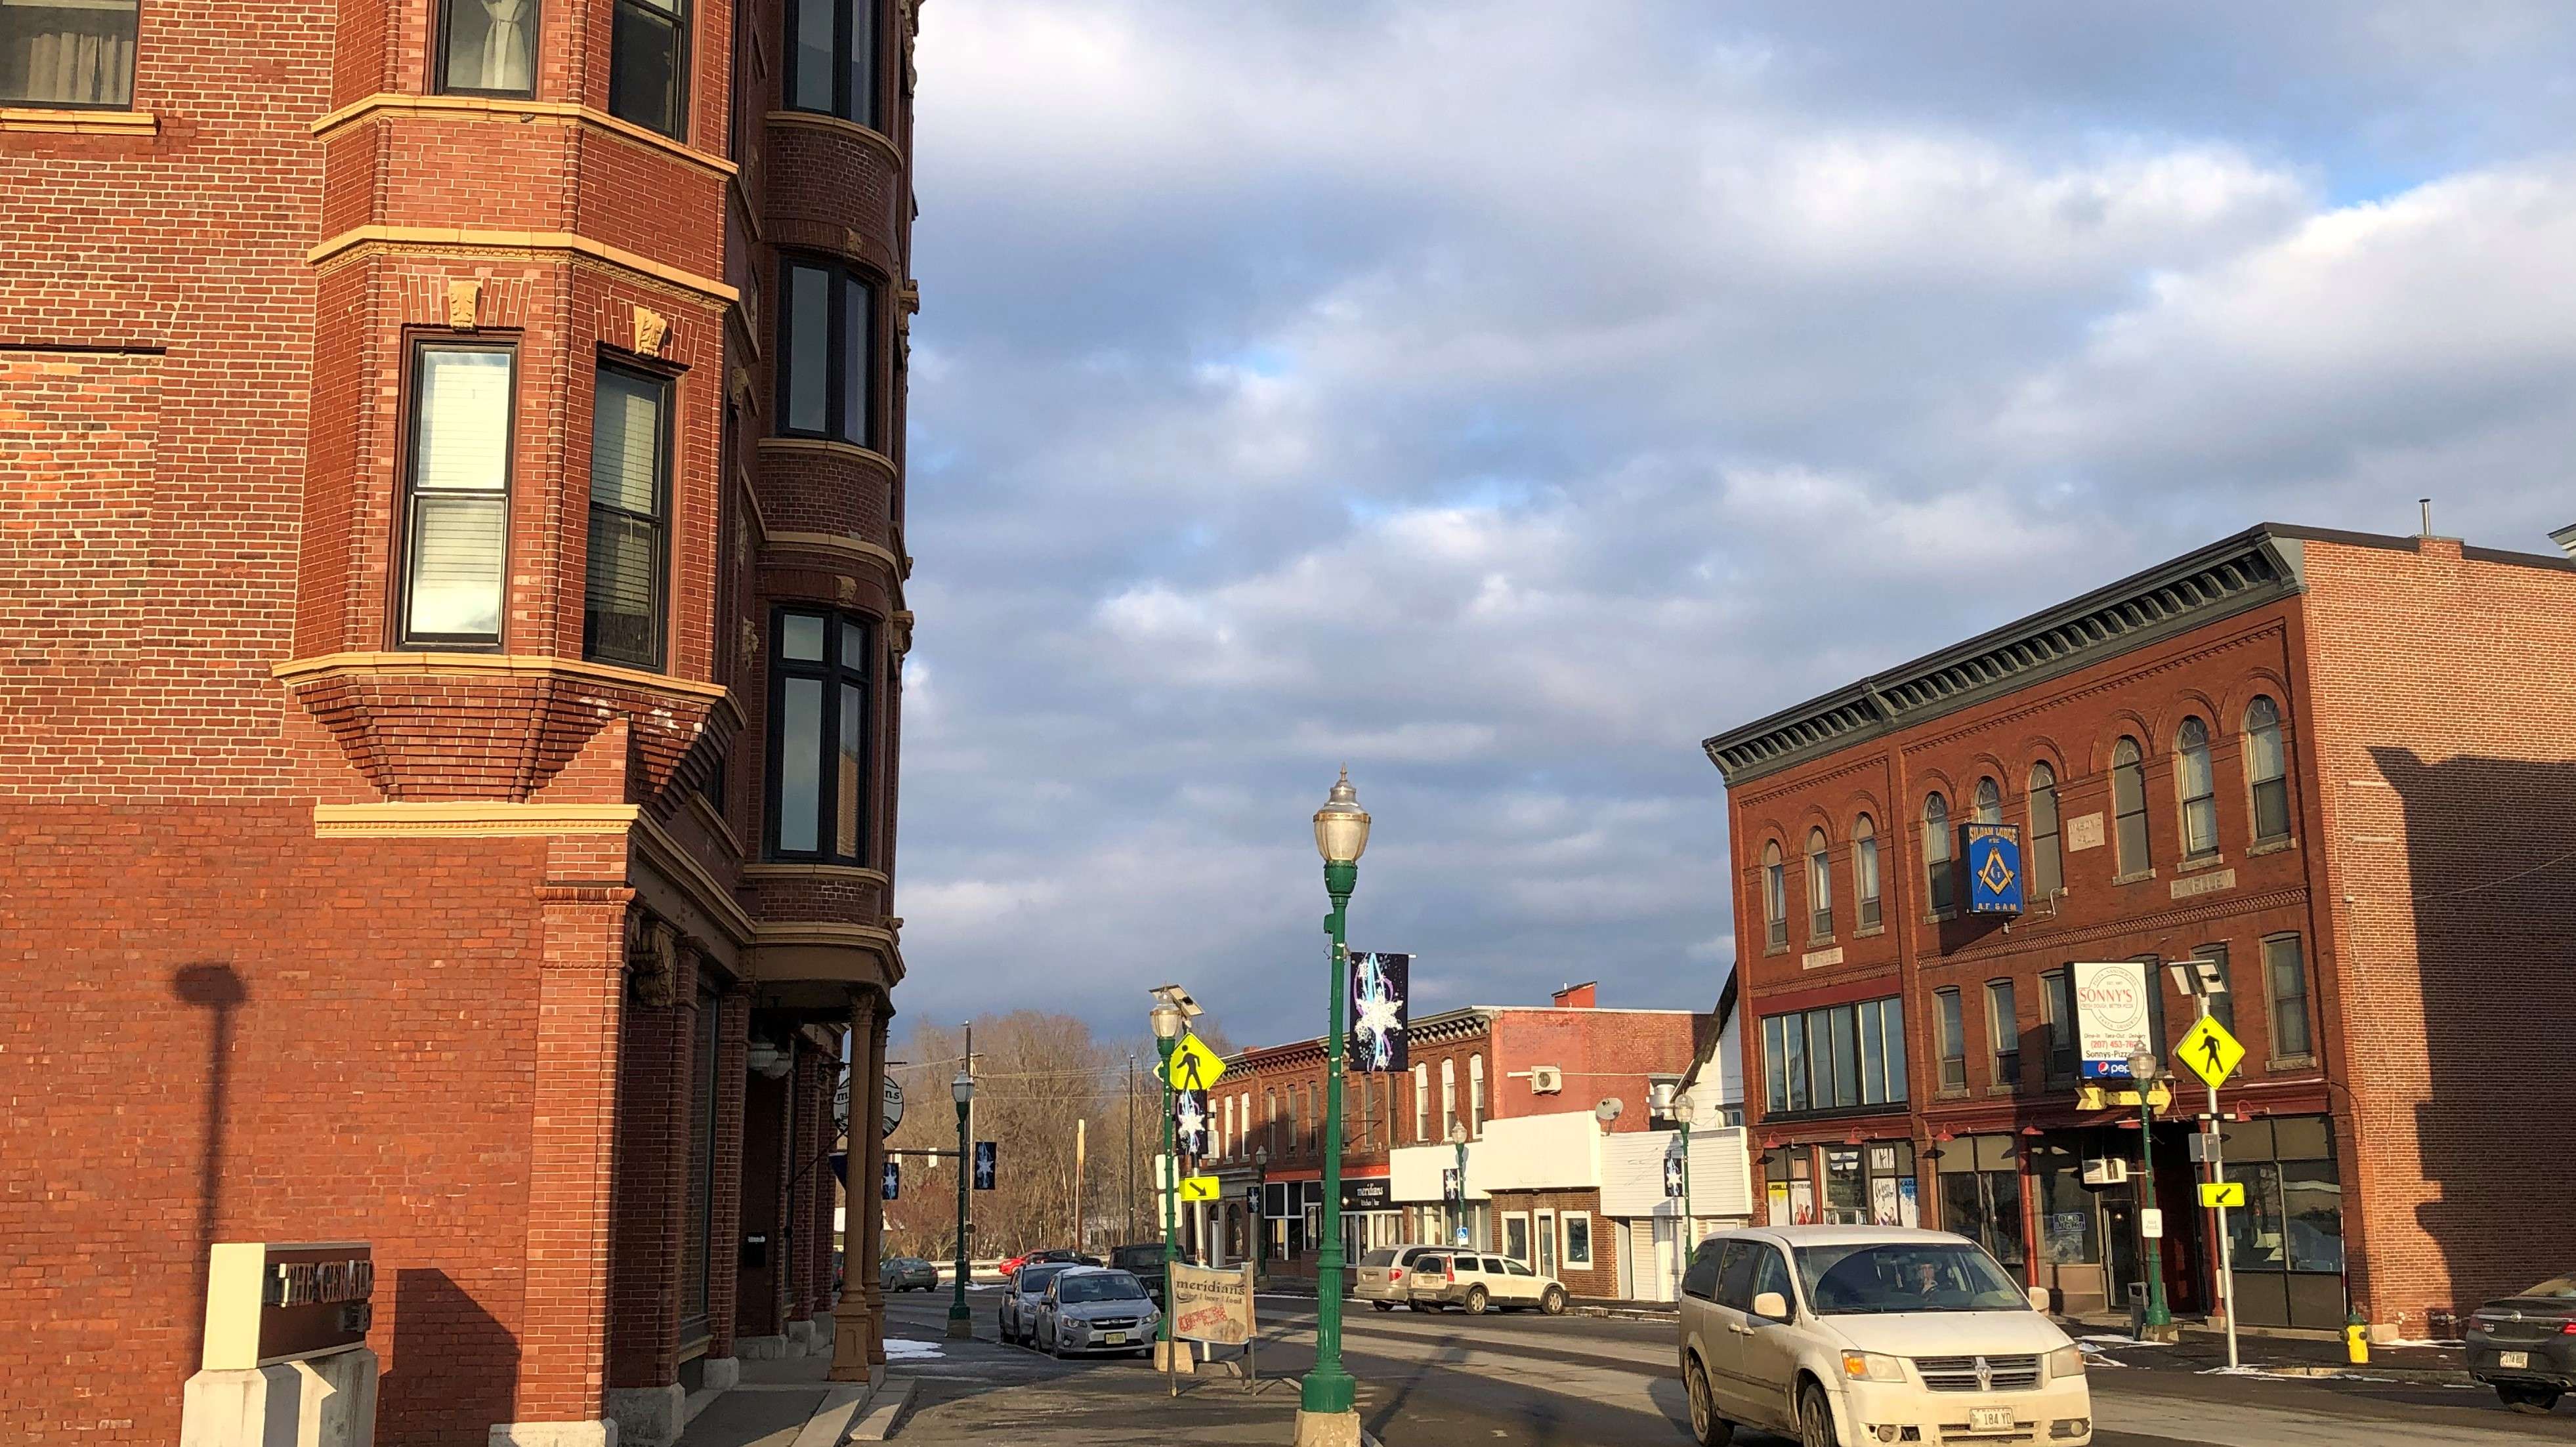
{"x": 2120, "y": 1341}
{"x": 2420, "y": 1342}
{"x": 904, "y": 1349}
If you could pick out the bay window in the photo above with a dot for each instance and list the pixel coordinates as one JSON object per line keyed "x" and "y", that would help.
{"x": 832, "y": 59}
{"x": 630, "y": 488}
{"x": 818, "y": 720}
{"x": 826, "y": 347}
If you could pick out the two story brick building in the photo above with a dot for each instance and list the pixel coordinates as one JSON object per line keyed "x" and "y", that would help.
{"x": 451, "y": 475}
{"x": 2338, "y": 767}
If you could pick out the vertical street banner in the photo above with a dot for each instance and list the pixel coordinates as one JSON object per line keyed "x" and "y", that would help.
{"x": 1190, "y": 1122}
{"x": 987, "y": 1164}
{"x": 891, "y": 1188}
{"x": 1381, "y": 985}
{"x": 1673, "y": 1174}
{"x": 2111, "y": 1020}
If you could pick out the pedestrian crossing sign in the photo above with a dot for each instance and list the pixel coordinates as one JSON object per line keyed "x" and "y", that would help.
{"x": 1193, "y": 1066}
{"x": 2208, "y": 1051}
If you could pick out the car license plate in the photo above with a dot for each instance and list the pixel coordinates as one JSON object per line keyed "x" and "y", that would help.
{"x": 2513, "y": 1361}
{"x": 1990, "y": 1419}
{"x": 1116, "y": 1338}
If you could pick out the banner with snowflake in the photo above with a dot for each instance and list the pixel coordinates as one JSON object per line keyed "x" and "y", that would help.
{"x": 1381, "y": 987}
{"x": 1190, "y": 1122}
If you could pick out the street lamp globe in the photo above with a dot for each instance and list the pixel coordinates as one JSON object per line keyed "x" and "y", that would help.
{"x": 962, "y": 1089}
{"x": 1681, "y": 1110}
{"x": 1261, "y": 1158}
{"x": 2142, "y": 1067}
{"x": 1167, "y": 1020}
{"x": 1342, "y": 826}
{"x": 1457, "y": 1133}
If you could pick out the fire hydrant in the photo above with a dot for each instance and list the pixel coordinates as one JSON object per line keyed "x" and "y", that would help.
{"x": 2356, "y": 1340}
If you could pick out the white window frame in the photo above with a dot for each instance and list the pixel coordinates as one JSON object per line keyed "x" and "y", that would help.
{"x": 1565, "y": 1241}
{"x": 1528, "y": 1255}
{"x": 1421, "y": 1100}
{"x": 1448, "y": 1095}
{"x": 1476, "y": 1097}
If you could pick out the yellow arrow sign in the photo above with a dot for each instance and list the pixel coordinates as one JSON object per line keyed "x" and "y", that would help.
{"x": 2222, "y": 1193}
{"x": 2208, "y": 1051}
{"x": 1204, "y": 1188}
{"x": 1193, "y": 1066}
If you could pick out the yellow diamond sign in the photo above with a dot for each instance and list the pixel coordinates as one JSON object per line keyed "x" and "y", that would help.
{"x": 1193, "y": 1066}
{"x": 1198, "y": 1188}
{"x": 2208, "y": 1051}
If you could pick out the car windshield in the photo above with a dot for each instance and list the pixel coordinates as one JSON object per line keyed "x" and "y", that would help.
{"x": 1138, "y": 1255}
{"x": 2563, "y": 1286}
{"x": 1873, "y": 1277}
{"x": 1100, "y": 1286}
{"x": 1034, "y": 1279}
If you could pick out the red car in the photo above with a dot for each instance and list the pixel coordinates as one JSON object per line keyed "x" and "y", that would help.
{"x": 1012, "y": 1267}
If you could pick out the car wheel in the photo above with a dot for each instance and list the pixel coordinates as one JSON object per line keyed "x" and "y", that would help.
{"x": 1476, "y": 1299}
{"x": 1707, "y": 1428}
{"x": 2538, "y": 1401}
{"x": 1383, "y": 1305}
{"x": 1815, "y": 1418}
{"x": 1055, "y": 1343}
{"x": 1553, "y": 1303}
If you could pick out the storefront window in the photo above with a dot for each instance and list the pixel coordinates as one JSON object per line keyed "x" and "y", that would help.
{"x": 1846, "y": 1189}
{"x": 1981, "y": 1195}
{"x": 2287, "y": 1239}
{"x": 2070, "y": 1228}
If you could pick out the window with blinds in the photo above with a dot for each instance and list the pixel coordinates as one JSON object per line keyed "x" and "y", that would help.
{"x": 457, "y": 504}
{"x": 629, "y": 492}
{"x": 67, "y": 53}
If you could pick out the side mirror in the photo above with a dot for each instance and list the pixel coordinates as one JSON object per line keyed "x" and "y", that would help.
{"x": 1771, "y": 1304}
{"x": 2039, "y": 1298}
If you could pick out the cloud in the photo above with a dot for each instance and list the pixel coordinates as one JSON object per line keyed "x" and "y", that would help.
{"x": 1500, "y": 402}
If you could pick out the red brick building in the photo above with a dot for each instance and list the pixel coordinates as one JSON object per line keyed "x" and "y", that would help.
{"x": 1467, "y": 1069}
{"x": 2340, "y": 767}
{"x": 451, "y": 462}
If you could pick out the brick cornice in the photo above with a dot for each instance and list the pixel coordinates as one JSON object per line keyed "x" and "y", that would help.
{"x": 470, "y": 818}
{"x": 393, "y": 103}
{"x": 433, "y": 664}
{"x": 358, "y": 239}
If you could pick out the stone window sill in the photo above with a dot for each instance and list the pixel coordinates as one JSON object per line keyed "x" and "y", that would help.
{"x": 1870, "y": 933}
{"x": 1958, "y": 1093}
{"x": 1940, "y": 916}
{"x": 78, "y": 121}
{"x": 2200, "y": 861}
{"x": 2291, "y": 1062}
{"x": 2273, "y": 846}
{"x": 1778, "y": 949}
{"x": 2141, "y": 877}
{"x": 1817, "y": 942}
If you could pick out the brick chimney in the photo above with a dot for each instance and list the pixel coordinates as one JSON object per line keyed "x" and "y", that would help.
{"x": 1576, "y": 997}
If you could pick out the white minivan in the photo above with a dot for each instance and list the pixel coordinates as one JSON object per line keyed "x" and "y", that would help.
{"x": 1843, "y": 1335}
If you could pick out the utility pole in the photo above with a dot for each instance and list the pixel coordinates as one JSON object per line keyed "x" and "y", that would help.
{"x": 1081, "y": 1147}
{"x": 1131, "y": 1145}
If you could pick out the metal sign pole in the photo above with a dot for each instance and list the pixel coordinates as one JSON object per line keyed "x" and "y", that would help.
{"x": 2218, "y": 1174}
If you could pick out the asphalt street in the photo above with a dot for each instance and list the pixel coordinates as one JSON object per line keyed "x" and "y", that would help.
{"x": 1533, "y": 1381}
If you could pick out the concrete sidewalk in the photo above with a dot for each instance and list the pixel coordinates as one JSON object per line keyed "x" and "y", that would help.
{"x": 792, "y": 1402}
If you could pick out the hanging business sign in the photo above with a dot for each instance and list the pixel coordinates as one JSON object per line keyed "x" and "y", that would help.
{"x": 1994, "y": 868}
{"x": 2113, "y": 1015}
{"x": 1368, "y": 1193}
{"x": 1381, "y": 1008}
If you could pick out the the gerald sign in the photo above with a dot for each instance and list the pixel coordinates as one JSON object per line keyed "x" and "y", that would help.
{"x": 268, "y": 1302}
{"x": 2112, "y": 1014}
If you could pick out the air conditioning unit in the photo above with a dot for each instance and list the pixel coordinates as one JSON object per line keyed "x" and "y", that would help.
{"x": 2106, "y": 1171}
{"x": 1546, "y": 1080}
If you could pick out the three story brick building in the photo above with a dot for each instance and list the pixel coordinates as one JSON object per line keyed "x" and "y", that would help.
{"x": 452, "y": 593}
{"x": 2337, "y": 766}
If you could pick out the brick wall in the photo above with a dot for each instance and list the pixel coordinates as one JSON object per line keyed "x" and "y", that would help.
{"x": 1601, "y": 1278}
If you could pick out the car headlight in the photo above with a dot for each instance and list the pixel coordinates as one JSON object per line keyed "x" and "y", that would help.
{"x": 1872, "y": 1367}
{"x": 2066, "y": 1361}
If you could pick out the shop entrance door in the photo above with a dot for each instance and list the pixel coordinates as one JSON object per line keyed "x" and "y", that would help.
{"x": 2120, "y": 1244}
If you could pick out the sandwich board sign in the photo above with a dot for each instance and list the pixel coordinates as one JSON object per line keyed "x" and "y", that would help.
{"x": 2112, "y": 1016}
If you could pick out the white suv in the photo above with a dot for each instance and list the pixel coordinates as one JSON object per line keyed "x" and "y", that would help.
{"x": 1854, "y": 1334}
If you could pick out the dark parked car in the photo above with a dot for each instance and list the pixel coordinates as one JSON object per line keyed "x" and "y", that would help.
{"x": 907, "y": 1273}
{"x": 1144, "y": 1261}
{"x": 2525, "y": 1345}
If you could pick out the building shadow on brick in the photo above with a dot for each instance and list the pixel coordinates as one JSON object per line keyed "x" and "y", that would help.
{"x": 219, "y": 990}
{"x": 2492, "y": 865}
{"x": 455, "y": 1368}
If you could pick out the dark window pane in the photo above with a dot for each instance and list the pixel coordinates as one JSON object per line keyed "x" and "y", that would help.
{"x": 2312, "y": 1215}
{"x": 1846, "y": 1057}
{"x": 76, "y": 53}
{"x": 491, "y": 46}
{"x": 856, "y": 351}
{"x": 1954, "y": 1048}
{"x": 1775, "y": 1067}
{"x": 2288, "y": 975}
{"x": 644, "y": 64}
{"x": 622, "y": 607}
{"x": 1794, "y": 1039}
{"x": 807, "y": 359}
{"x": 2272, "y": 809}
{"x": 800, "y": 766}
{"x": 811, "y": 63}
{"x": 1892, "y": 1022}
{"x": 847, "y": 773}
{"x": 1873, "y": 1056}
{"x": 863, "y": 63}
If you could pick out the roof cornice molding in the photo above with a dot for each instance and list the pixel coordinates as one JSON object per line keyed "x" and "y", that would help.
{"x": 2255, "y": 567}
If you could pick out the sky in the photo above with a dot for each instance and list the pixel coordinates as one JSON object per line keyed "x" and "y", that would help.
{"x": 1501, "y": 397}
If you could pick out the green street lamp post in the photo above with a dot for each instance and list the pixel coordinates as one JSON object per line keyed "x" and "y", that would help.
{"x": 1458, "y": 1210}
{"x": 962, "y": 1089}
{"x": 1326, "y": 1415}
{"x": 2143, "y": 1070}
{"x": 1168, "y": 1021}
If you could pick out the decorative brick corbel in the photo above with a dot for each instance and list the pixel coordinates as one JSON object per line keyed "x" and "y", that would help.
{"x": 464, "y": 304}
{"x": 652, "y": 332}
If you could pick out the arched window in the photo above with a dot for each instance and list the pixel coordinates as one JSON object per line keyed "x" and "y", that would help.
{"x": 2267, "y": 771}
{"x": 2129, "y": 807}
{"x": 2199, "y": 790}
{"x": 1270, "y": 1122}
{"x": 1476, "y": 1096}
{"x": 1448, "y": 1096}
{"x": 1775, "y": 897}
{"x": 1937, "y": 874}
{"x": 1990, "y": 801}
{"x": 1865, "y": 870}
{"x": 1820, "y": 887}
{"x": 2047, "y": 852}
